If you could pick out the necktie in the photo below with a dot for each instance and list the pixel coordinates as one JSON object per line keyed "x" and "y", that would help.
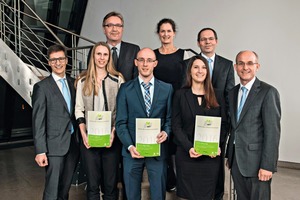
{"x": 67, "y": 98}
{"x": 115, "y": 56}
{"x": 242, "y": 102}
{"x": 210, "y": 66}
{"x": 147, "y": 97}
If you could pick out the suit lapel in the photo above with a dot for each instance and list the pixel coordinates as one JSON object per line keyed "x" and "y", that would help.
{"x": 122, "y": 55}
{"x": 155, "y": 95}
{"x": 56, "y": 91}
{"x": 233, "y": 99}
{"x": 250, "y": 98}
{"x": 140, "y": 95}
{"x": 72, "y": 93}
{"x": 216, "y": 70}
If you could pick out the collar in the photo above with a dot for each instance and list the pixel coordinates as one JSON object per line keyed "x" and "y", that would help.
{"x": 118, "y": 46}
{"x": 141, "y": 80}
{"x": 57, "y": 78}
{"x": 249, "y": 84}
{"x": 213, "y": 57}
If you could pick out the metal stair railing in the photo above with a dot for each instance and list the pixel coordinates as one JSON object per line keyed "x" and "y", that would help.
{"x": 23, "y": 47}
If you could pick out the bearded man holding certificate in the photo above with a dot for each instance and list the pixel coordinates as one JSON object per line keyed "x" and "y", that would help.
{"x": 197, "y": 173}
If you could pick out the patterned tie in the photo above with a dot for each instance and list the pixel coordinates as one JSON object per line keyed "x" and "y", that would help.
{"x": 67, "y": 98}
{"x": 210, "y": 66}
{"x": 242, "y": 102}
{"x": 115, "y": 56}
{"x": 147, "y": 97}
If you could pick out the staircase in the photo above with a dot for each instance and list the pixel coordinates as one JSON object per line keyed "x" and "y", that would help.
{"x": 23, "y": 47}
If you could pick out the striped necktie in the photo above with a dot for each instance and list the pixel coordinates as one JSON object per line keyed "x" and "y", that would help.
{"x": 147, "y": 97}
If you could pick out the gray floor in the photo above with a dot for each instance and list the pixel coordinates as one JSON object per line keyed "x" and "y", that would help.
{"x": 21, "y": 178}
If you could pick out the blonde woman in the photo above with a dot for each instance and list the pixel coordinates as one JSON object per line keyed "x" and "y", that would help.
{"x": 97, "y": 89}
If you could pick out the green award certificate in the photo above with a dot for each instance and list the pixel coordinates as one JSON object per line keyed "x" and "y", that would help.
{"x": 99, "y": 128}
{"x": 207, "y": 135}
{"x": 146, "y": 131}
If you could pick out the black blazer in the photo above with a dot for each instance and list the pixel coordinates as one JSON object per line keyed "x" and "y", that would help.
{"x": 184, "y": 115}
{"x": 126, "y": 64}
{"x": 51, "y": 117}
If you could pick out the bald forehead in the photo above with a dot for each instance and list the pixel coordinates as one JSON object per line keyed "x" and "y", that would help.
{"x": 246, "y": 54}
{"x": 146, "y": 53}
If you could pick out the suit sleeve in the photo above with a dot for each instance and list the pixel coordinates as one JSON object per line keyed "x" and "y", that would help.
{"x": 271, "y": 115}
{"x": 167, "y": 125}
{"x": 122, "y": 118}
{"x": 224, "y": 117}
{"x": 135, "y": 70}
{"x": 79, "y": 104}
{"x": 39, "y": 113}
{"x": 181, "y": 137}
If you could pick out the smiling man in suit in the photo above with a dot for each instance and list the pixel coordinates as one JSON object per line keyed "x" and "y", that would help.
{"x": 222, "y": 79}
{"x": 131, "y": 104}
{"x": 255, "y": 131}
{"x": 123, "y": 53}
{"x": 54, "y": 126}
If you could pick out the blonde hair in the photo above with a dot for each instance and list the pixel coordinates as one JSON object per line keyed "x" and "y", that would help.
{"x": 90, "y": 85}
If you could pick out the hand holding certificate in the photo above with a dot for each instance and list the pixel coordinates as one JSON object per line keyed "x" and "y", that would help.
{"x": 148, "y": 135}
{"x": 207, "y": 135}
{"x": 99, "y": 128}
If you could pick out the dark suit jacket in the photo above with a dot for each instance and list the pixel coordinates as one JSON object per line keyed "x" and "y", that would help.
{"x": 130, "y": 105}
{"x": 184, "y": 115}
{"x": 126, "y": 64}
{"x": 257, "y": 132}
{"x": 51, "y": 118}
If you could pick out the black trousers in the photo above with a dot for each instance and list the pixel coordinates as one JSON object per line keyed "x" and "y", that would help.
{"x": 101, "y": 166}
{"x": 249, "y": 188}
{"x": 59, "y": 173}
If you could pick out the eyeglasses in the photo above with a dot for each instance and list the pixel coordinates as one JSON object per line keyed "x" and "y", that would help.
{"x": 60, "y": 59}
{"x": 249, "y": 64}
{"x": 143, "y": 60}
{"x": 113, "y": 25}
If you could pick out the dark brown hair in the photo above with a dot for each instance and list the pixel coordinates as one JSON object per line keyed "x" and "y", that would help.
{"x": 210, "y": 97}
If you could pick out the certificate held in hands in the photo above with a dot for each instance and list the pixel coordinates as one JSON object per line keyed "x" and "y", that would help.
{"x": 99, "y": 128}
{"x": 146, "y": 132}
{"x": 207, "y": 135}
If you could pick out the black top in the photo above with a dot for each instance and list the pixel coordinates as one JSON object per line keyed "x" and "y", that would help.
{"x": 169, "y": 68}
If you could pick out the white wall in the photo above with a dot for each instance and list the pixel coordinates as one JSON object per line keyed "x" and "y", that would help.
{"x": 268, "y": 27}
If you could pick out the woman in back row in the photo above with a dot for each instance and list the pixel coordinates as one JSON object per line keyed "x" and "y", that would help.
{"x": 170, "y": 71}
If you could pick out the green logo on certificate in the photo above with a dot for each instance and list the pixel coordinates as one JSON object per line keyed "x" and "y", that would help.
{"x": 146, "y": 131}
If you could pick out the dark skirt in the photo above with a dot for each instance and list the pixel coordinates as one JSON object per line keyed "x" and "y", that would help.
{"x": 196, "y": 177}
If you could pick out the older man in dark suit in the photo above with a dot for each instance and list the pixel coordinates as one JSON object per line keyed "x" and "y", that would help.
{"x": 123, "y": 53}
{"x": 135, "y": 101}
{"x": 254, "y": 139}
{"x": 54, "y": 126}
